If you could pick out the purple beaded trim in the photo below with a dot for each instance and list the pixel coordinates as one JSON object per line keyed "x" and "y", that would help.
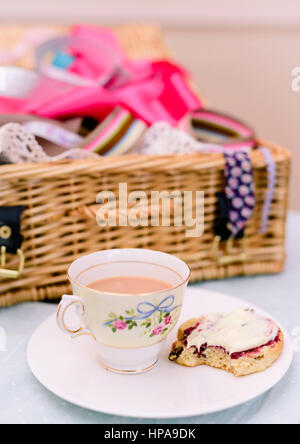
{"x": 272, "y": 178}
{"x": 240, "y": 190}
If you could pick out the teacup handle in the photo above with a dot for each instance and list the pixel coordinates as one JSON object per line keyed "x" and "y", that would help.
{"x": 66, "y": 302}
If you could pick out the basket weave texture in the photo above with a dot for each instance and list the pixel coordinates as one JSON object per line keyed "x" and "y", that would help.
{"x": 59, "y": 223}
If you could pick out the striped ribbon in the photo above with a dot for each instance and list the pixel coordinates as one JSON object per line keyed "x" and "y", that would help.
{"x": 213, "y": 127}
{"x": 118, "y": 133}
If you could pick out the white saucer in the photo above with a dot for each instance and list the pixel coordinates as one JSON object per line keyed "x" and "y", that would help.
{"x": 71, "y": 370}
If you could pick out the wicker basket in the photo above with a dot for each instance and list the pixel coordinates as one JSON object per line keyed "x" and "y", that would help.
{"x": 59, "y": 223}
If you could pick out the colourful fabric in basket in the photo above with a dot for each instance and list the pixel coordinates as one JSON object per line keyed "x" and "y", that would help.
{"x": 151, "y": 91}
{"x": 163, "y": 96}
{"x": 240, "y": 190}
{"x": 117, "y": 134}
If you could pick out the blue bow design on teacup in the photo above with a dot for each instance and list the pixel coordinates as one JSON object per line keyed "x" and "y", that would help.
{"x": 147, "y": 309}
{"x": 165, "y": 306}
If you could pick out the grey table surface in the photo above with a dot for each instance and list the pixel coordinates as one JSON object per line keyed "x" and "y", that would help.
{"x": 23, "y": 400}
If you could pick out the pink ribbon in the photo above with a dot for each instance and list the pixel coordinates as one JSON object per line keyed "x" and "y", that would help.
{"x": 155, "y": 91}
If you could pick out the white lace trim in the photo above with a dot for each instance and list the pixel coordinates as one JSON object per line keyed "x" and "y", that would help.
{"x": 162, "y": 139}
{"x": 17, "y": 145}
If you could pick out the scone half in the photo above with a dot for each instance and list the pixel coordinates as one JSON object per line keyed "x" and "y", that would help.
{"x": 239, "y": 364}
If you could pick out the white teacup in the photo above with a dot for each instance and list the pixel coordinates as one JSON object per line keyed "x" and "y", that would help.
{"x": 129, "y": 329}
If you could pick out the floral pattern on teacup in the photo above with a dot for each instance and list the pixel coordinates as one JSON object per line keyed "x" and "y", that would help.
{"x": 154, "y": 318}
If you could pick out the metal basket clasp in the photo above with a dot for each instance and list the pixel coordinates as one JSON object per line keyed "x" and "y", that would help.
{"x": 232, "y": 254}
{"x": 11, "y": 274}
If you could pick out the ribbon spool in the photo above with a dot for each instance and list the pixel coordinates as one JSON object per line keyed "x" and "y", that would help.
{"x": 213, "y": 127}
{"x": 55, "y": 58}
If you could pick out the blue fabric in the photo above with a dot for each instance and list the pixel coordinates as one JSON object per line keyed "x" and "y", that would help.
{"x": 24, "y": 400}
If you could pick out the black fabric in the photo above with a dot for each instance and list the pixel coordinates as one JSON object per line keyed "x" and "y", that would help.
{"x": 11, "y": 217}
{"x": 222, "y": 222}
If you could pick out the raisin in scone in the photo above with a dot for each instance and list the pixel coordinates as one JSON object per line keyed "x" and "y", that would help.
{"x": 241, "y": 342}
